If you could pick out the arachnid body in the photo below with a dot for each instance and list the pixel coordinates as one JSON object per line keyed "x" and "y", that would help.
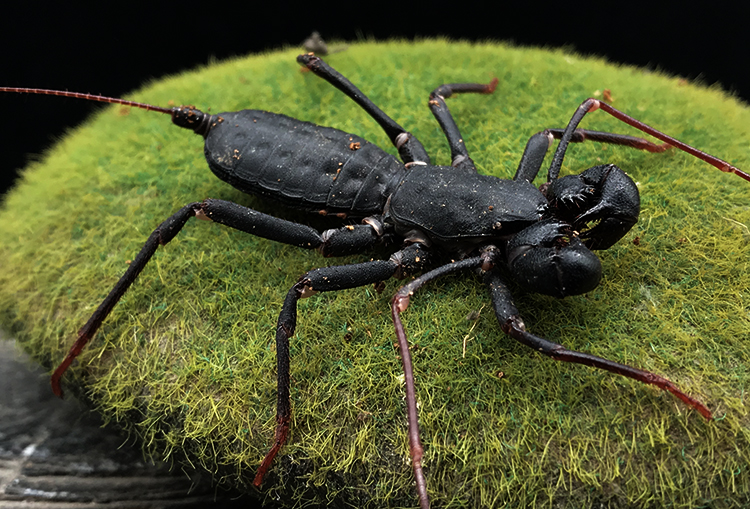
{"x": 448, "y": 244}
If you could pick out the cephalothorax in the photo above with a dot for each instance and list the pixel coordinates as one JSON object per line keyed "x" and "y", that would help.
{"x": 441, "y": 218}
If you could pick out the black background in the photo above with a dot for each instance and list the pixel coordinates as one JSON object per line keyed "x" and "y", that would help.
{"x": 112, "y": 51}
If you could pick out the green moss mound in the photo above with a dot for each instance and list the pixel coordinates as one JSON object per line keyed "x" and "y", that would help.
{"x": 186, "y": 361}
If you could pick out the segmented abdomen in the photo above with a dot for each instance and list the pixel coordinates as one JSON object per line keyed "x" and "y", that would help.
{"x": 300, "y": 164}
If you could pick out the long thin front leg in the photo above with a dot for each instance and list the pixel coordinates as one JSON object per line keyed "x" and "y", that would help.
{"x": 539, "y": 143}
{"x": 512, "y": 325}
{"x": 581, "y": 135}
{"x": 409, "y": 147}
{"x": 459, "y": 155}
{"x": 592, "y": 104}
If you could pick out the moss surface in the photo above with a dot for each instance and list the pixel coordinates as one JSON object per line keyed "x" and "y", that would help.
{"x": 186, "y": 360}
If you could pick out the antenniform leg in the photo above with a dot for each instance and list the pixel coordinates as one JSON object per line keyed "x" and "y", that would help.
{"x": 538, "y": 144}
{"x": 398, "y": 305}
{"x": 410, "y": 259}
{"x": 342, "y": 241}
{"x": 409, "y": 147}
{"x": 592, "y": 104}
{"x": 512, "y": 325}
{"x": 459, "y": 155}
{"x": 603, "y": 195}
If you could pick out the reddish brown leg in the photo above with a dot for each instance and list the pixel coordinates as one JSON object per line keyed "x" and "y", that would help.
{"x": 339, "y": 242}
{"x": 592, "y": 104}
{"x": 163, "y": 234}
{"x": 399, "y": 304}
{"x": 512, "y": 325}
{"x": 325, "y": 279}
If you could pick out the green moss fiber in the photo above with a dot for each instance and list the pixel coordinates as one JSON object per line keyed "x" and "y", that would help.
{"x": 186, "y": 361}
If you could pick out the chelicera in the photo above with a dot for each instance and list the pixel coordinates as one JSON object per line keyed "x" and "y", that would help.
{"x": 443, "y": 219}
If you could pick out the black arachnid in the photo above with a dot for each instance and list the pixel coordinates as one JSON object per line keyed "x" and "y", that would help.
{"x": 439, "y": 219}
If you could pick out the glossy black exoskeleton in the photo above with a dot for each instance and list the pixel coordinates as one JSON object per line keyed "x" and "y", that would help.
{"x": 541, "y": 238}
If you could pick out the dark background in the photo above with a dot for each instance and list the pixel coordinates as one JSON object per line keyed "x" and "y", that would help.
{"x": 111, "y": 52}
